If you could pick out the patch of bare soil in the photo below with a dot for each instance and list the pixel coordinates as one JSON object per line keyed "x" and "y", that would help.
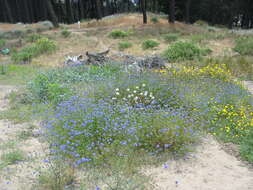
{"x": 249, "y": 85}
{"x": 21, "y": 175}
{"x": 209, "y": 168}
{"x": 221, "y": 48}
{"x": 4, "y": 91}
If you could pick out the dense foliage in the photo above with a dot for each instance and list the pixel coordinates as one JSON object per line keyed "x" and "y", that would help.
{"x": 41, "y": 46}
{"x": 219, "y": 12}
{"x": 180, "y": 51}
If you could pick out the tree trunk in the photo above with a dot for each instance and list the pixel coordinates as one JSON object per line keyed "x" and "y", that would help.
{"x": 98, "y": 8}
{"x": 51, "y": 13}
{"x": 8, "y": 11}
{"x": 172, "y": 11}
{"x": 81, "y": 9}
{"x": 70, "y": 16}
{"x": 187, "y": 11}
{"x": 26, "y": 12}
{"x": 144, "y": 11}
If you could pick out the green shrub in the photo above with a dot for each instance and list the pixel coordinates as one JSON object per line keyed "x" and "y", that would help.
{"x": 25, "y": 55}
{"x": 201, "y": 23}
{"x": 13, "y": 157}
{"x": 41, "y": 46}
{"x": 171, "y": 37}
{"x": 184, "y": 51}
{"x": 33, "y": 38}
{"x": 118, "y": 34}
{"x": 44, "y": 45}
{"x": 44, "y": 90}
{"x": 244, "y": 45}
{"x": 198, "y": 38}
{"x": 3, "y": 69}
{"x": 154, "y": 20}
{"x": 246, "y": 147}
{"x": 125, "y": 45}
{"x": 149, "y": 44}
{"x": 2, "y": 43}
{"x": 57, "y": 176}
{"x": 51, "y": 87}
{"x": 100, "y": 128}
{"x": 65, "y": 33}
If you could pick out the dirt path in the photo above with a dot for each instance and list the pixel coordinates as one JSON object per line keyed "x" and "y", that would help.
{"x": 22, "y": 174}
{"x": 209, "y": 168}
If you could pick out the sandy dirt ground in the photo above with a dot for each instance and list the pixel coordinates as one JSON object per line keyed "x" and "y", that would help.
{"x": 21, "y": 175}
{"x": 249, "y": 85}
{"x": 209, "y": 168}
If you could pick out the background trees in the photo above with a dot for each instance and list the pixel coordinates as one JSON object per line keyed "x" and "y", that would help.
{"x": 221, "y": 12}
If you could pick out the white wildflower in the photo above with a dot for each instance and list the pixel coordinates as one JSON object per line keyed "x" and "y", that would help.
{"x": 135, "y": 91}
{"x": 117, "y": 89}
{"x": 143, "y": 85}
{"x": 117, "y": 93}
{"x": 128, "y": 90}
{"x": 137, "y": 87}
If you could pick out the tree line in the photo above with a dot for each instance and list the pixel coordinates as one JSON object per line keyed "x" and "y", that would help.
{"x": 215, "y": 12}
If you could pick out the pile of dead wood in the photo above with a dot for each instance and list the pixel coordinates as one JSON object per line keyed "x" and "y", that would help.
{"x": 153, "y": 61}
{"x": 100, "y": 58}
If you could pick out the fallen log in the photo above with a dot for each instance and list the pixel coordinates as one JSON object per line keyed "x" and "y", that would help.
{"x": 97, "y": 58}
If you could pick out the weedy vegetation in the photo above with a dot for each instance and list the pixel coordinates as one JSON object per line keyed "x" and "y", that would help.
{"x": 150, "y": 44}
{"x": 118, "y": 34}
{"x": 12, "y": 157}
{"x": 41, "y": 46}
{"x": 2, "y": 43}
{"x": 154, "y": 20}
{"x": 244, "y": 45}
{"x": 182, "y": 51}
{"x": 171, "y": 37}
{"x": 65, "y": 33}
{"x": 125, "y": 45}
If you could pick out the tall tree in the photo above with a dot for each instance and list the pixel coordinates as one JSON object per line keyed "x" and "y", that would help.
{"x": 187, "y": 11}
{"x": 69, "y": 10}
{"x": 98, "y": 9}
{"x": 172, "y": 11}
{"x": 8, "y": 11}
{"x": 81, "y": 8}
{"x": 144, "y": 11}
{"x": 51, "y": 12}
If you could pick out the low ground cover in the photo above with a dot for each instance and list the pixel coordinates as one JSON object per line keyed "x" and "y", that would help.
{"x": 155, "y": 112}
{"x": 41, "y": 46}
